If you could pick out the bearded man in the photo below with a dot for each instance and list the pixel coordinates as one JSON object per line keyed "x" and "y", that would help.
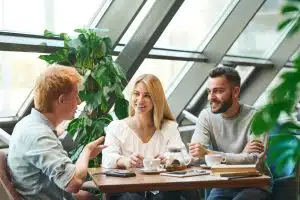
{"x": 224, "y": 128}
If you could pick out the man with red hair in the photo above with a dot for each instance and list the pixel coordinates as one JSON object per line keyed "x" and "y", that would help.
{"x": 40, "y": 167}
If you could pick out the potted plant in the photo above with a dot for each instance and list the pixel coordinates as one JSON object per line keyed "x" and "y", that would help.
{"x": 91, "y": 54}
{"x": 283, "y": 99}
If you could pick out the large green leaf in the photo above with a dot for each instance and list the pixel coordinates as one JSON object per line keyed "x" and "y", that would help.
{"x": 290, "y": 127}
{"x": 121, "y": 108}
{"x": 287, "y": 145}
{"x": 98, "y": 128}
{"x": 295, "y": 28}
{"x": 76, "y": 153}
{"x": 265, "y": 118}
{"x": 60, "y": 56}
{"x": 296, "y": 61}
{"x": 49, "y": 34}
{"x": 285, "y": 23}
{"x": 73, "y": 126}
{"x": 289, "y": 8}
{"x": 106, "y": 118}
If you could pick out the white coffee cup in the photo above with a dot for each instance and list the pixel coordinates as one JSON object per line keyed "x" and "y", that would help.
{"x": 213, "y": 159}
{"x": 151, "y": 163}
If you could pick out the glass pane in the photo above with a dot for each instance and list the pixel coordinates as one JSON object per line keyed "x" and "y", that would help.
{"x": 18, "y": 73}
{"x": 183, "y": 33}
{"x": 264, "y": 97}
{"x": 260, "y": 37}
{"x": 165, "y": 70}
{"x": 137, "y": 21}
{"x": 192, "y": 23}
{"x": 244, "y": 72}
{"x": 34, "y": 16}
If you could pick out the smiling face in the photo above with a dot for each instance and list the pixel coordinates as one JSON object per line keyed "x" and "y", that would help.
{"x": 141, "y": 100}
{"x": 221, "y": 94}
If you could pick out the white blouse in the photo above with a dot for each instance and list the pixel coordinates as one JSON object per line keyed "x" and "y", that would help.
{"x": 123, "y": 142}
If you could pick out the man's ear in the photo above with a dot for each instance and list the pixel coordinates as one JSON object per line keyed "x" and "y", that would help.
{"x": 236, "y": 91}
{"x": 61, "y": 99}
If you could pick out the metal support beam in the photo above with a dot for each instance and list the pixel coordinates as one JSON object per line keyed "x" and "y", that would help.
{"x": 234, "y": 23}
{"x": 262, "y": 77}
{"x": 146, "y": 35}
{"x": 28, "y": 43}
{"x": 169, "y": 54}
{"x": 234, "y": 61}
{"x": 118, "y": 17}
{"x": 189, "y": 116}
{"x": 183, "y": 129}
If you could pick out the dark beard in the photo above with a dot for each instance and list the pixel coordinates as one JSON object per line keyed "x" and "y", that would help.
{"x": 225, "y": 105}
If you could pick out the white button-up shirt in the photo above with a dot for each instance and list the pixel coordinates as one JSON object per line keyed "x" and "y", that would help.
{"x": 123, "y": 142}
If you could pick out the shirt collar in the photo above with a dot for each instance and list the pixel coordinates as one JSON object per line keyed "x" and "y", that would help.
{"x": 39, "y": 116}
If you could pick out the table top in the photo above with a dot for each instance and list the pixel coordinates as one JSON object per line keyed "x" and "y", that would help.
{"x": 145, "y": 182}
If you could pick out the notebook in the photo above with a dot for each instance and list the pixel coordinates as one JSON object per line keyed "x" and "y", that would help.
{"x": 233, "y": 168}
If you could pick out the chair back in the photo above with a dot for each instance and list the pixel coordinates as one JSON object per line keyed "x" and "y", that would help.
{"x": 5, "y": 182}
{"x": 285, "y": 177}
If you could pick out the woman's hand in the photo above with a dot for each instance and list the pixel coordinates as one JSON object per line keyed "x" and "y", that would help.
{"x": 136, "y": 160}
{"x": 161, "y": 157}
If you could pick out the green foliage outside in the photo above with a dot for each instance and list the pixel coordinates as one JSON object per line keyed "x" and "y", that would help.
{"x": 283, "y": 99}
{"x": 91, "y": 55}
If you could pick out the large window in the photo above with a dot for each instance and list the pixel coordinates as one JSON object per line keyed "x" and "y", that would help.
{"x": 165, "y": 70}
{"x": 34, "y": 16}
{"x": 264, "y": 97}
{"x": 192, "y": 23}
{"x": 260, "y": 38}
{"x": 190, "y": 26}
{"x": 17, "y": 77}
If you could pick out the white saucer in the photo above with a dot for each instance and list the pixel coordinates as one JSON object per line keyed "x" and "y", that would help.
{"x": 152, "y": 171}
{"x": 204, "y": 166}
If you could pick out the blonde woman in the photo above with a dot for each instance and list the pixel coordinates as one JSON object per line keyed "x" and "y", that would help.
{"x": 148, "y": 131}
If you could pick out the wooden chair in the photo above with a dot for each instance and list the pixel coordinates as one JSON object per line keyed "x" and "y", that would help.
{"x": 9, "y": 192}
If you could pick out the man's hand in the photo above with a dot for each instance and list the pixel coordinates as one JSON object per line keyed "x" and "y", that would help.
{"x": 95, "y": 147}
{"x": 136, "y": 160}
{"x": 254, "y": 146}
{"x": 197, "y": 150}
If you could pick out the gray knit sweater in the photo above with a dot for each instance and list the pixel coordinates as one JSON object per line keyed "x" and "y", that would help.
{"x": 227, "y": 135}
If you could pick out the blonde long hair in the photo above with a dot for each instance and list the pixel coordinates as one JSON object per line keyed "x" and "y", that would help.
{"x": 161, "y": 109}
